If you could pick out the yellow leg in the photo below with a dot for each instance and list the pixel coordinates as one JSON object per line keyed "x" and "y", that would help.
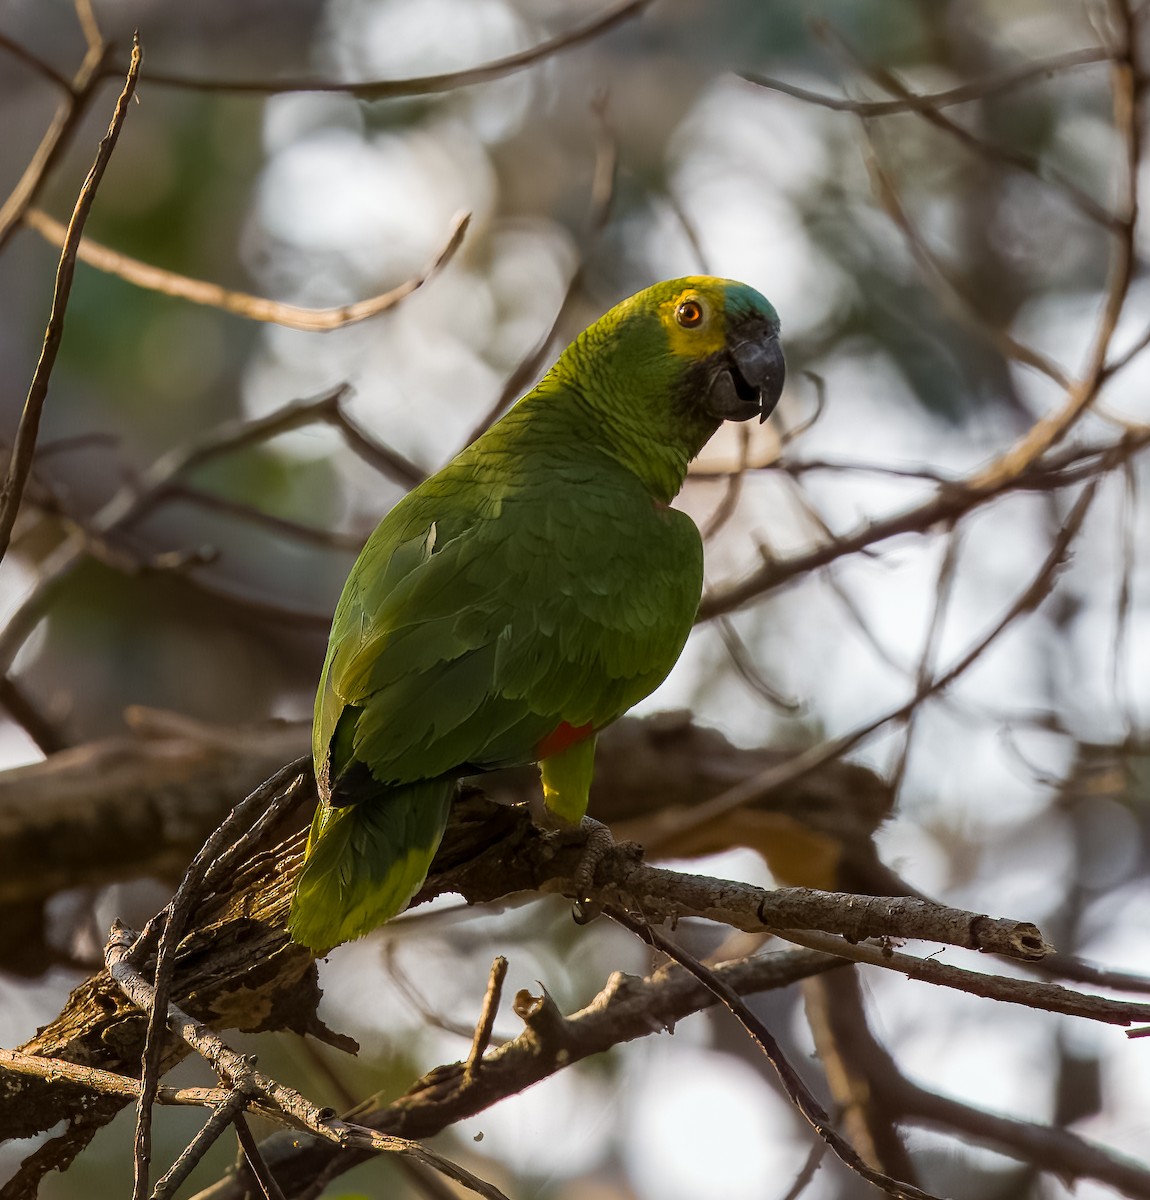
{"x": 567, "y": 781}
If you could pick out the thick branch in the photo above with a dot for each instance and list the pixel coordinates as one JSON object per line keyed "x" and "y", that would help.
{"x": 627, "y": 1008}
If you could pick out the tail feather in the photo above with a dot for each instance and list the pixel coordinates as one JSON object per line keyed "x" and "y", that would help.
{"x": 365, "y": 861}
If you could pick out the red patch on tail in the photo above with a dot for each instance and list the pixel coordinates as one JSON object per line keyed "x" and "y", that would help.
{"x": 562, "y": 737}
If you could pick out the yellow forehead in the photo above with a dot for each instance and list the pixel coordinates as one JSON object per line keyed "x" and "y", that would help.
{"x": 705, "y": 338}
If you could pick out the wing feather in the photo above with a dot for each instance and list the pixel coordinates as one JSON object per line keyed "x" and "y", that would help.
{"x": 484, "y": 631}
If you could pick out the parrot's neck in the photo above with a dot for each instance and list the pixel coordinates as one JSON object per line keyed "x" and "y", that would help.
{"x": 661, "y": 468}
{"x": 648, "y": 440}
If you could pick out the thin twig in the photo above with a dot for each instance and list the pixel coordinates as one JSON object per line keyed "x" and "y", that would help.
{"x": 945, "y": 286}
{"x": 797, "y": 1092}
{"x": 747, "y": 670}
{"x": 674, "y": 824}
{"x": 132, "y": 502}
{"x": 943, "y": 592}
{"x": 807, "y": 1171}
{"x": 386, "y": 460}
{"x": 425, "y": 85}
{"x": 1127, "y": 549}
{"x": 976, "y": 89}
{"x": 35, "y": 723}
{"x": 733, "y": 491}
{"x": 280, "y": 789}
{"x": 415, "y": 998}
{"x": 194, "y": 1151}
{"x": 253, "y": 308}
{"x": 1029, "y": 993}
{"x": 281, "y": 526}
{"x": 1061, "y": 1152}
{"x": 1050, "y": 430}
{"x": 486, "y": 1023}
{"x": 39, "y": 65}
{"x": 255, "y": 1159}
{"x": 88, "y": 23}
{"x": 81, "y": 92}
{"x": 954, "y": 498}
{"x": 294, "y": 1108}
{"x": 108, "y": 1082}
{"x": 995, "y": 152}
{"x": 24, "y": 444}
{"x": 601, "y": 197}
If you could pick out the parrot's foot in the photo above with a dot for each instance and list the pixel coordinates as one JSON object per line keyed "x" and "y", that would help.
{"x": 600, "y": 845}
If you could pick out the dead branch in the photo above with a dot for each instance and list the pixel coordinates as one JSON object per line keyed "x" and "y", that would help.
{"x": 794, "y": 1088}
{"x": 627, "y": 1008}
{"x": 253, "y": 308}
{"x": 24, "y": 443}
{"x": 293, "y": 1108}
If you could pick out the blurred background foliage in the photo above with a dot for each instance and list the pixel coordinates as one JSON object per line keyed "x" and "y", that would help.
{"x": 1024, "y": 786}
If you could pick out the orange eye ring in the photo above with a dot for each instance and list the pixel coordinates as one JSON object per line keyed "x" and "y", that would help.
{"x": 689, "y": 314}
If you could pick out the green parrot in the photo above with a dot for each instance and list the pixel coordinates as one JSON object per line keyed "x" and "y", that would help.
{"x": 525, "y": 596}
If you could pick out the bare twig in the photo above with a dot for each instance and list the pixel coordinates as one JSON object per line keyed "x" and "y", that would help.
{"x": 281, "y": 526}
{"x": 24, "y": 444}
{"x": 602, "y": 194}
{"x": 417, "y": 1000}
{"x": 426, "y": 85}
{"x": 748, "y": 671}
{"x": 88, "y": 23}
{"x": 953, "y": 499}
{"x": 81, "y": 92}
{"x": 1049, "y": 431}
{"x": 205, "y": 1139}
{"x": 949, "y": 291}
{"x": 807, "y": 1171}
{"x": 108, "y": 1082}
{"x": 1119, "y": 660}
{"x": 39, "y": 65}
{"x": 943, "y": 591}
{"x": 486, "y": 1023}
{"x": 386, "y": 460}
{"x": 276, "y": 792}
{"x": 626, "y": 1008}
{"x": 254, "y": 308}
{"x": 733, "y": 491}
{"x": 1060, "y": 1151}
{"x": 976, "y": 89}
{"x": 255, "y": 1160}
{"x": 29, "y": 717}
{"x": 795, "y": 1089}
{"x": 140, "y": 497}
{"x": 239, "y": 1071}
{"x": 744, "y": 792}
{"x": 1007, "y": 155}
{"x": 1030, "y": 993}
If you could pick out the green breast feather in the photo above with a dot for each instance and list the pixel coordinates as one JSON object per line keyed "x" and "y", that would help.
{"x": 509, "y": 608}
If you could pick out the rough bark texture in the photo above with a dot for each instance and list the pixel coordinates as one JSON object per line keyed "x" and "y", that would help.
{"x": 141, "y": 804}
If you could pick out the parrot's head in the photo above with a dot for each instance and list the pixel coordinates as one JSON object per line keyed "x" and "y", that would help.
{"x": 665, "y": 368}
{"x": 724, "y": 338}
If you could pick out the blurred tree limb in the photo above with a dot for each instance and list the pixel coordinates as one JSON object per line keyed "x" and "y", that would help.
{"x": 425, "y": 85}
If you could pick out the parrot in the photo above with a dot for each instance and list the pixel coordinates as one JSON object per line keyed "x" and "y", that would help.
{"x": 525, "y": 596}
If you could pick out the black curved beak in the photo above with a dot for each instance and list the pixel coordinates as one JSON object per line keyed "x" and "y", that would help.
{"x": 748, "y": 379}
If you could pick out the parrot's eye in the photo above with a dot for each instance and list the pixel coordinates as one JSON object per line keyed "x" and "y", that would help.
{"x": 689, "y": 314}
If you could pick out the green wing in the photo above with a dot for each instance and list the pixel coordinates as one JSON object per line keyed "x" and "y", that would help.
{"x": 466, "y": 634}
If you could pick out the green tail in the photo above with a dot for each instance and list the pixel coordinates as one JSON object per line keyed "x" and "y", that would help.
{"x": 365, "y": 861}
